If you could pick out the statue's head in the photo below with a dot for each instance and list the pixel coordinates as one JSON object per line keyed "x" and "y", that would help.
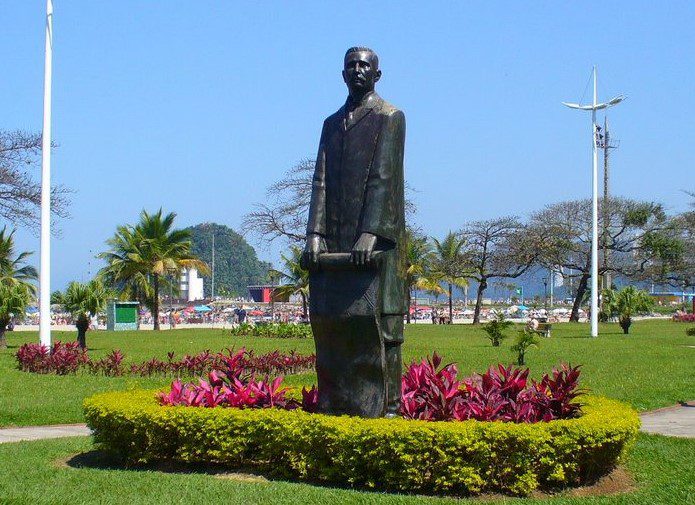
{"x": 361, "y": 70}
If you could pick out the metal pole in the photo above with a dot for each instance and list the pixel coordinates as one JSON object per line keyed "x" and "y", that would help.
{"x": 552, "y": 286}
{"x": 606, "y": 213}
{"x": 212, "y": 290}
{"x": 45, "y": 261}
{"x": 594, "y": 220}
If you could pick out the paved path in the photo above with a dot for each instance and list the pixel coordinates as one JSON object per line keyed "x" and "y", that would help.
{"x": 41, "y": 432}
{"x": 678, "y": 421}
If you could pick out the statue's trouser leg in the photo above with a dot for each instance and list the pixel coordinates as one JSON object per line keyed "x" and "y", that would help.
{"x": 392, "y": 330}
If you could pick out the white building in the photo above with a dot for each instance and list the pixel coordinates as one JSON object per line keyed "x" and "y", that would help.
{"x": 191, "y": 286}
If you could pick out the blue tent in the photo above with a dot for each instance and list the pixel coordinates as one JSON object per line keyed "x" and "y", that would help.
{"x": 202, "y": 308}
{"x": 522, "y": 307}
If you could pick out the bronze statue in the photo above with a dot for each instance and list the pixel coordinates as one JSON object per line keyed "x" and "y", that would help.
{"x": 354, "y": 248}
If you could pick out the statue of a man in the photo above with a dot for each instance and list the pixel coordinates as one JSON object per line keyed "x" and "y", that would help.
{"x": 357, "y": 201}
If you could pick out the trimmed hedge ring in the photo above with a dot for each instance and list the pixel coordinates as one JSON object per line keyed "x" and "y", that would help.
{"x": 461, "y": 457}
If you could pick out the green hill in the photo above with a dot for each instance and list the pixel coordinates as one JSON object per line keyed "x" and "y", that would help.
{"x": 236, "y": 263}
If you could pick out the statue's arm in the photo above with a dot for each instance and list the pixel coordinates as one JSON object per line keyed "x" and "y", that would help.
{"x": 316, "y": 226}
{"x": 383, "y": 211}
{"x": 317, "y": 206}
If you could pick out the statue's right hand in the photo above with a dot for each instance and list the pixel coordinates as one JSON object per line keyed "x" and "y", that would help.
{"x": 315, "y": 245}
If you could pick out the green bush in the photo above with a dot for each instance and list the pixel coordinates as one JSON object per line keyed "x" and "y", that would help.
{"x": 464, "y": 457}
{"x": 273, "y": 330}
{"x": 690, "y": 331}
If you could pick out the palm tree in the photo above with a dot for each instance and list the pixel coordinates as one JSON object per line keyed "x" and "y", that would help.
{"x": 630, "y": 301}
{"x": 296, "y": 278}
{"x": 447, "y": 265}
{"x": 14, "y": 299}
{"x": 13, "y": 268}
{"x": 143, "y": 256}
{"x": 417, "y": 253}
{"x": 85, "y": 301}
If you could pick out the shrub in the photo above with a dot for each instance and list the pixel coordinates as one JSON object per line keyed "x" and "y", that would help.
{"x": 495, "y": 329}
{"x": 459, "y": 458}
{"x": 273, "y": 330}
{"x": 690, "y": 331}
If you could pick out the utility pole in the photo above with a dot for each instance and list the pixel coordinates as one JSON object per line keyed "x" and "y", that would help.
{"x": 606, "y": 144}
{"x": 212, "y": 290}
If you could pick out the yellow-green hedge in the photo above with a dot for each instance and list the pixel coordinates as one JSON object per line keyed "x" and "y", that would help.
{"x": 466, "y": 457}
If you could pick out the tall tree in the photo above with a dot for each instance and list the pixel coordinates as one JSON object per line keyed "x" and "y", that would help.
{"x": 674, "y": 263}
{"x": 85, "y": 301}
{"x": 14, "y": 299}
{"x": 635, "y": 238}
{"x": 13, "y": 267}
{"x": 20, "y": 194}
{"x": 497, "y": 248}
{"x": 418, "y": 256}
{"x": 296, "y": 278}
{"x": 143, "y": 256}
{"x": 447, "y": 265}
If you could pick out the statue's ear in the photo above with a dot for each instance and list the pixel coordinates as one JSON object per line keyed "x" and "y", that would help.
{"x": 377, "y": 76}
{"x": 344, "y": 76}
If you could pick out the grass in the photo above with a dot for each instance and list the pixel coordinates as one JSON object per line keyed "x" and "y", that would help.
{"x": 47, "y": 472}
{"x": 650, "y": 368}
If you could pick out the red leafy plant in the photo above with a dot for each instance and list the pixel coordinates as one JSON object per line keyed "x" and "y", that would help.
{"x": 61, "y": 359}
{"x": 434, "y": 393}
{"x": 66, "y": 358}
{"x": 232, "y": 385}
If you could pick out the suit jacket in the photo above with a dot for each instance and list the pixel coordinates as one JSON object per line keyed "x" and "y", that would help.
{"x": 358, "y": 187}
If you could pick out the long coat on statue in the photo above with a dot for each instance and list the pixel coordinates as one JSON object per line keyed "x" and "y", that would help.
{"x": 358, "y": 187}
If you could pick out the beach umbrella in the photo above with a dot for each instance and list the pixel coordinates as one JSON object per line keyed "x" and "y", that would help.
{"x": 202, "y": 308}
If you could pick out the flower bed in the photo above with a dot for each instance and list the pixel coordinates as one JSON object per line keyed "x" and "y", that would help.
{"x": 430, "y": 392}
{"x": 463, "y": 457}
{"x": 69, "y": 358}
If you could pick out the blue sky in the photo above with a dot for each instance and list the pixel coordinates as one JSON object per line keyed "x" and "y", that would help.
{"x": 198, "y": 106}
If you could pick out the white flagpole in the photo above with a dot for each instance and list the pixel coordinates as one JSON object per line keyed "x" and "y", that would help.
{"x": 45, "y": 266}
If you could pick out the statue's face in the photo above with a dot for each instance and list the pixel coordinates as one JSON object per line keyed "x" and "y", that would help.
{"x": 361, "y": 72}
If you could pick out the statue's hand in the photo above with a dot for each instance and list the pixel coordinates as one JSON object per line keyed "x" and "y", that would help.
{"x": 315, "y": 245}
{"x": 363, "y": 249}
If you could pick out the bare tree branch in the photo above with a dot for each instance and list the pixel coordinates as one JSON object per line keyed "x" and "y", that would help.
{"x": 20, "y": 193}
{"x": 285, "y": 212}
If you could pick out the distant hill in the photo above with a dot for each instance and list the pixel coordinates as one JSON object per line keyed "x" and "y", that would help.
{"x": 236, "y": 263}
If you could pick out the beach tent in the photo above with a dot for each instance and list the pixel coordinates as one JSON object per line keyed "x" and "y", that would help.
{"x": 202, "y": 308}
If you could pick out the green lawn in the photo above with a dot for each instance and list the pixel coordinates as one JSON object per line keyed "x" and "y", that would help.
{"x": 652, "y": 367}
{"x": 37, "y": 473}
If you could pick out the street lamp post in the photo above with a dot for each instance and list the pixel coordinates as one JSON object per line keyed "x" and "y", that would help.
{"x": 594, "y": 201}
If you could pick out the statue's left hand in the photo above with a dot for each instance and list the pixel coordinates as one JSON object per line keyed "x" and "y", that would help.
{"x": 363, "y": 248}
